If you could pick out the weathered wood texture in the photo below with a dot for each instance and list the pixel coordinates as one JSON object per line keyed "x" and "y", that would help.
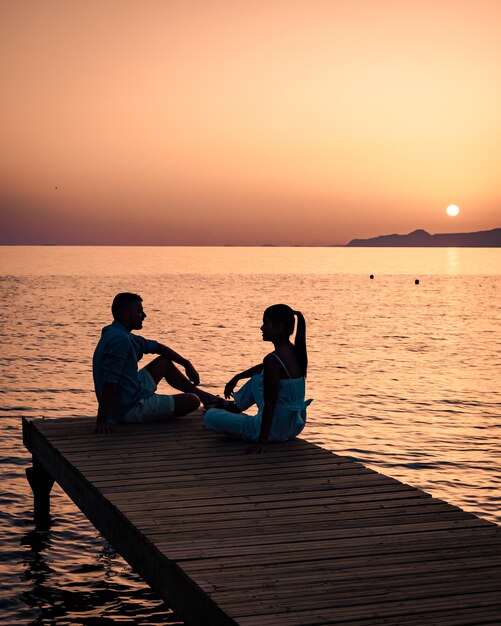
{"x": 295, "y": 536}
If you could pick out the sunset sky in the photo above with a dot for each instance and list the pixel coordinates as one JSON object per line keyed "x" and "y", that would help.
{"x": 207, "y": 122}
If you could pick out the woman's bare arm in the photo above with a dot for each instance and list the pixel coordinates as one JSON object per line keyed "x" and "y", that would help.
{"x": 230, "y": 385}
{"x": 271, "y": 384}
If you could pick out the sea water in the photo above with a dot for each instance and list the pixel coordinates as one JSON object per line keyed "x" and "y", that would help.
{"x": 404, "y": 377}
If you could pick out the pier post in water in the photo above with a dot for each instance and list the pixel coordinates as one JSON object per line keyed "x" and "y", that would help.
{"x": 41, "y": 484}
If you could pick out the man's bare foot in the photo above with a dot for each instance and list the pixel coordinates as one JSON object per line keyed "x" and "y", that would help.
{"x": 226, "y": 405}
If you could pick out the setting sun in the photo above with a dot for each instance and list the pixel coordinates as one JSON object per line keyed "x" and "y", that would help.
{"x": 452, "y": 210}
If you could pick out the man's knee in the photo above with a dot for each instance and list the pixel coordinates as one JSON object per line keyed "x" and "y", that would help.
{"x": 164, "y": 364}
{"x": 186, "y": 403}
{"x": 193, "y": 401}
{"x": 158, "y": 368}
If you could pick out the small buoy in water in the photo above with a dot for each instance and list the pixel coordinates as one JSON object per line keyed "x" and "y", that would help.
{"x": 416, "y": 282}
{"x": 371, "y": 276}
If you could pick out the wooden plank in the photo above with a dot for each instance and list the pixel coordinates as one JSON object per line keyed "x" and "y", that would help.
{"x": 429, "y": 584}
{"x": 234, "y": 530}
{"x": 252, "y": 519}
{"x": 236, "y": 463}
{"x": 409, "y": 549}
{"x": 295, "y": 536}
{"x": 262, "y": 486}
{"x": 318, "y": 537}
{"x": 153, "y": 475}
{"x": 344, "y": 498}
{"x": 192, "y": 497}
{"x": 462, "y": 617}
{"x": 466, "y": 617}
{"x": 298, "y": 525}
{"x": 373, "y": 503}
{"x": 347, "y": 610}
{"x": 387, "y": 568}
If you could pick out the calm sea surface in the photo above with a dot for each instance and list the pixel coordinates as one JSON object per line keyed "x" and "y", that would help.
{"x": 404, "y": 377}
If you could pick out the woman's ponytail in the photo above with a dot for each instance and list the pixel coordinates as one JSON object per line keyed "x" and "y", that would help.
{"x": 283, "y": 314}
{"x": 300, "y": 342}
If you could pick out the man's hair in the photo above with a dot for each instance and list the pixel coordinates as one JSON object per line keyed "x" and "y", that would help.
{"x": 123, "y": 301}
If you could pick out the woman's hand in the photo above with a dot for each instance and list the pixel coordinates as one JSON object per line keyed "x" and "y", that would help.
{"x": 229, "y": 387}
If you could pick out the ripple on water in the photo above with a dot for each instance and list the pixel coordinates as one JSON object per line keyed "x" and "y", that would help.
{"x": 403, "y": 379}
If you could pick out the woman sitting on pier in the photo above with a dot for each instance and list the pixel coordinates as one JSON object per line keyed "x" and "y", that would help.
{"x": 276, "y": 386}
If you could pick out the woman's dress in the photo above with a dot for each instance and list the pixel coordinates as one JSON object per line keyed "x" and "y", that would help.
{"x": 289, "y": 417}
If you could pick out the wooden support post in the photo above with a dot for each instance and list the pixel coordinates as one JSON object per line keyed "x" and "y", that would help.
{"x": 41, "y": 484}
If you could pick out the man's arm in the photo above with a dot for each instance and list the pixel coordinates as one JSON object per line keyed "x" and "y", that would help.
{"x": 104, "y": 407}
{"x": 168, "y": 353}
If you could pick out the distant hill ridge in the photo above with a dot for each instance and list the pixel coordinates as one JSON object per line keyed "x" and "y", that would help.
{"x": 420, "y": 238}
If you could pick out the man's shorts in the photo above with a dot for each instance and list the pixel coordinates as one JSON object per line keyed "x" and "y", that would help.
{"x": 155, "y": 408}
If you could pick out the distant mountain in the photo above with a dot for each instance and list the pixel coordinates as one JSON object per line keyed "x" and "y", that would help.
{"x": 420, "y": 238}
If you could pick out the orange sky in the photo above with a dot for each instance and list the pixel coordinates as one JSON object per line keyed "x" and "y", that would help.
{"x": 273, "y": 121}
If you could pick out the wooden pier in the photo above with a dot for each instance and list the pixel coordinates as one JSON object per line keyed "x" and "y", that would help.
{"x": 297, "y": 535}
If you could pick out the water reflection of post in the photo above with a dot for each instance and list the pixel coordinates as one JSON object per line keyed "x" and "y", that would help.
{"x": 37, "y": 569}
{"x": 37, "y": 572}
{"x": 41, "y": 484}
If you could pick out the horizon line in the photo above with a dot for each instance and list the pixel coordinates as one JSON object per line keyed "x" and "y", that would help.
{"x": 243, "y": 245}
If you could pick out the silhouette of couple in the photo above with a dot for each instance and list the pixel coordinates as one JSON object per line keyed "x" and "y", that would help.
{"x": 127, "y": 395}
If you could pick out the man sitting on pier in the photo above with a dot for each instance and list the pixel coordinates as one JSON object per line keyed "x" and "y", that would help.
{"x": 126, "y": 395}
